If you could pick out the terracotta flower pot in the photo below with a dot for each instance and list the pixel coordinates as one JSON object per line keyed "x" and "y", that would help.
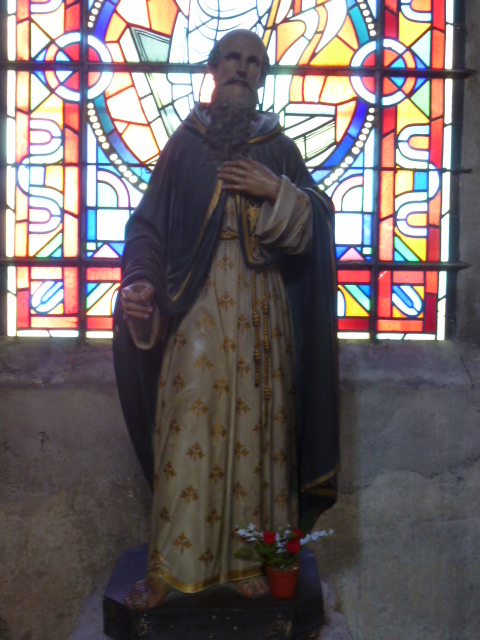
{"x": 282, "y": 583}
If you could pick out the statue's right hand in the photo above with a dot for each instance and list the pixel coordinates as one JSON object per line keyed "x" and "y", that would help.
{"x": 137, "y": 301}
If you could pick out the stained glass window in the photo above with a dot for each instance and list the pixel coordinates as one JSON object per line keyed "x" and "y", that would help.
{"x": 95, "y": 88}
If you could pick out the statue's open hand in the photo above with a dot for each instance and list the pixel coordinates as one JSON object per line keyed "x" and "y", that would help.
{"x": 137, "y": 301}
{"x": 250, "y": 177}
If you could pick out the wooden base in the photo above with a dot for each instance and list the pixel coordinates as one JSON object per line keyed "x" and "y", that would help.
{"x": 218, "y": 613}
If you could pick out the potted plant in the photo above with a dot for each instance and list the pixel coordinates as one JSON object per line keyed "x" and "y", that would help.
{"x": 278, "y": 552}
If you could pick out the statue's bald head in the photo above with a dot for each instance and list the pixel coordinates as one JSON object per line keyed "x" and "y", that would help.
{"x": 243, "y": 38}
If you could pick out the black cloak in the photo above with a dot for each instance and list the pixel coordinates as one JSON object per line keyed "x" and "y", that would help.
{"x": 170, "y": 241}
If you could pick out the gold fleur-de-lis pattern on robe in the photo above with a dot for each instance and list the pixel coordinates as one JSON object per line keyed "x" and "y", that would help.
{"x": 221, "y": 460}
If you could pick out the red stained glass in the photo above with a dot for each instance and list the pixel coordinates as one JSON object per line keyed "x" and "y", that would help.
{"x": 99, "y": 324}
{"x": 430, "y": 314}
{"x": 104, "y": 274}
{"x": 23, "y": 310}
{"x": 356, "y": 324}
{"x": 399, "y": 326}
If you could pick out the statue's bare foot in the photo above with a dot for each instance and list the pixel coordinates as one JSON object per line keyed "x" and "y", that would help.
{"x": 147, "y": 594}
{"x": 253, "y": 587}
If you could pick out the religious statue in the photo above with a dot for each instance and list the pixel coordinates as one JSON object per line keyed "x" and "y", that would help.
{"x": 225, "y": 335}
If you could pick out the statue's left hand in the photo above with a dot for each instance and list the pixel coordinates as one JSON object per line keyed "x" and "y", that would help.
{"x": 250, "y": 177}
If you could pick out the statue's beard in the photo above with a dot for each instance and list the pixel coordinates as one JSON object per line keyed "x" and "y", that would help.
{"x": 229, "y": 129}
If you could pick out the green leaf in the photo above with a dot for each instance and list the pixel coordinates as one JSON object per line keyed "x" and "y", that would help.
{"x": 245, "y": 554}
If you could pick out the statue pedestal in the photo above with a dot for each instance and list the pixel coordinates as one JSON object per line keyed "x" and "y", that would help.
{"x": 218, "y": 613}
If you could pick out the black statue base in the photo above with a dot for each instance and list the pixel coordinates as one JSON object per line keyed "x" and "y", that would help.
{"x": 218, "y": 613}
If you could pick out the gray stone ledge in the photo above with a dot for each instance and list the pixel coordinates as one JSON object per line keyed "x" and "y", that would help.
{"x": 40, "y": 362}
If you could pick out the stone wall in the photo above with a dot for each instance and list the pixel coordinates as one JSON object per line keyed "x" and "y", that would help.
{"x": 404, "y": 556}
{"x": 71, "y": 493}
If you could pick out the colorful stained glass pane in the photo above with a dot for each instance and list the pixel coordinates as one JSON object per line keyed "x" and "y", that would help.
{"x": 46, "y": 300}
{"x": 376, "y": 133}
{"x": 101, "y": 292}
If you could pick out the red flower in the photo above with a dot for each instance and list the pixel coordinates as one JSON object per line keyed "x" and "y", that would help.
{"x": 293, "y": 545}
{"x": 298, "y": 533}
{"x": 268, "y": 537}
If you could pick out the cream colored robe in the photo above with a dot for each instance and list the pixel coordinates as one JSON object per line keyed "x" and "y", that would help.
{"x": 225, "y": 430}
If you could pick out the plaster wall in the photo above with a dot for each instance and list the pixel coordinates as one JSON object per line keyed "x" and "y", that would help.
{"x": 404, "y": 557}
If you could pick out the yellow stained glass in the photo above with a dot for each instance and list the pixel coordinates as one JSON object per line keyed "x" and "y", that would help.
{"x": 120, "y": 81}
{"x": 37, "y": 241}
{"x": 162, "y": 15}
{"x": 344, "y": 117}
{"x": 141, "y": 142}
{"x": 312, "y": 88}
{"x": 408, "y": 114}
{"x": 115, "y": 28}
{"x": 53, "y": 24}
{"x": 417, "y": 245}
{"x": 403, "y": 182}
{"x": 70, "y": 246}
{"x": 409, "y": 31}
{"x": 336, "y": 87}
{"x": 46, "y": 273}
{"x": 134, "y": 12}
{"x": 352, "y": 307}
{"x": 23, "y": 90}
{"x": 54, "y": 177}
{"x": 128, "y": 103}
{"x": 288, "y": 33}
{"x": 50, "y": 109}
{"x": 336, "y": 52}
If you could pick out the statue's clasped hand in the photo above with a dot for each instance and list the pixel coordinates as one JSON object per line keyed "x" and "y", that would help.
{"x": 250, "y": 177}
{"x": 137, "y": 301}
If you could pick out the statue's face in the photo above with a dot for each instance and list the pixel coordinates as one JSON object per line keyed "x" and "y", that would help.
{"x": 240, "y": 67}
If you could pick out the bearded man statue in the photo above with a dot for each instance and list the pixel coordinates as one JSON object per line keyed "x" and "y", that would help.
{"x": 224, "y": 345}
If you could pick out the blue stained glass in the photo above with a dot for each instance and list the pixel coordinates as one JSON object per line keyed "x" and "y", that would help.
{"x": 41, "y": 76}
{"x": 340, "y": 152}
{"x": 358, "y": 119}
{"x": 101, "y": 157}
{"x": 350, "y": 138}
{"x": 103, "y": 116}
{"x": 360, "y": 26}
{"x": 359, "y": 295}
{"x": 122, "y": 150}
{"x": 398, "y": 81}
{"x": 339, "y": 251}
{"x": 91, "y": 224}
{"x": 420, "y": 181}
{"x": 367, "y": 229}
{"x": 103, "y": 20}
{"x": 407, "y": 300}
{"x": 359, "y": 162}
{"x": 398, "y": 64}
{"x": 50, "y": 295}
{"x": 419, "y": 83}
{"x": 40, "y": 57}
{"x": 366, "y": 288}
{"x": 419, "y": 62}
{"x": 320, "y": 175}
{"x": 118, "y": 247}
